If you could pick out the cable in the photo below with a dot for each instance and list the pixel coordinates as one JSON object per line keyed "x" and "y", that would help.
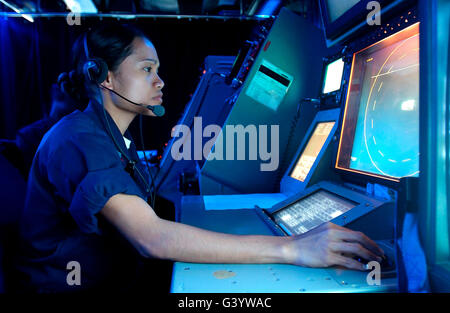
{"x": 149, "y": 189}
{"x": 132, "y": 162}
{"x": 153, "y": 189}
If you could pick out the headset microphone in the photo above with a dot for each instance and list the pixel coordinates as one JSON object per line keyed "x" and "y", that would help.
{"x": 158, "y": 110}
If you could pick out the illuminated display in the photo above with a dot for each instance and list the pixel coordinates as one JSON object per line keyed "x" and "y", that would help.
{"x": 333, "y": 76}
{"x": 270, "y": 85}
{"x": 311, "y": 211}
{"x": 312, "y": 150}
{"x": 380, "y": 134}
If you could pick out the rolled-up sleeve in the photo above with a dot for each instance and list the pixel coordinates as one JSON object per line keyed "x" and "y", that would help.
{"x": 86, "y": 171}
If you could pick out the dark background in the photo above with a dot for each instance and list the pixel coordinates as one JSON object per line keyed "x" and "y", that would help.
{"x": 32, "y": 55}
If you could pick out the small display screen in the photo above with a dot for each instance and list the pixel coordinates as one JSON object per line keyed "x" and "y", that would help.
{"x": 333, "y": 76}
{"x": 312, "y": 150}
{"x": 380, "y": 133}
{"x": 337, "y": 8}
{"x": 309, "y": 212}
{"x": 269, "y": 85}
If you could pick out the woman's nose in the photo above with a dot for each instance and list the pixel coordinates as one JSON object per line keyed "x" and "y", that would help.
{"x": 159, "y": 82}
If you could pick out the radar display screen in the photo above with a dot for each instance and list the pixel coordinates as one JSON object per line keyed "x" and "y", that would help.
{"x": 380, "y": 133}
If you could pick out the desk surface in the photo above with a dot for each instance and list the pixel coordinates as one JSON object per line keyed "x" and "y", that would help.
{"x": 258, "y": 278}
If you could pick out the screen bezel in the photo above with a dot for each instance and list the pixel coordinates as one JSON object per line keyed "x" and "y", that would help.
{"x": 357, "y": 174}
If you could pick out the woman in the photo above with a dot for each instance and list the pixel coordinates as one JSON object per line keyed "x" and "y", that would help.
{"x": 86, "y": 204}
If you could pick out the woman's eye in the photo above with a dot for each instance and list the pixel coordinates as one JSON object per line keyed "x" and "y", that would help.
{"x": 148, "y": 69}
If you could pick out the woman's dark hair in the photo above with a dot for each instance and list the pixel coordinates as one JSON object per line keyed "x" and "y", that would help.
{"x": 61, "y": 104}
{"x": 110, "y": 42}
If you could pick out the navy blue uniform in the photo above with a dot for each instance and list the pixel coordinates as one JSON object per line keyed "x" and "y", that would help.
{"x": 76, "y": 169}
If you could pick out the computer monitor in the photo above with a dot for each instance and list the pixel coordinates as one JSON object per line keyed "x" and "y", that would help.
{"x": 309, "y": 155}
{"x": 326, "y": 201}
{"x": 337, "y": 8}
{"x": 340, "y": 15}
{"x": 380, "y": 129}
{"x": 333, "y": 76}
{"x": 311, "y": 152}
{"x": 343, "y": 19}
{"x": 311, "y": 211}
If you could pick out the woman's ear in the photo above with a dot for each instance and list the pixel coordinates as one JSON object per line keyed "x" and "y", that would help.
{"x": 108, "y": 80}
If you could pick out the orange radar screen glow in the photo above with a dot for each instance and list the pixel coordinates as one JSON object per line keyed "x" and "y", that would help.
{"x": 380, "y": 133}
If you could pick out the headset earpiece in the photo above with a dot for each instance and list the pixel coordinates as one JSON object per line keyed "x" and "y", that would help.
{"x": 95, "y": 69}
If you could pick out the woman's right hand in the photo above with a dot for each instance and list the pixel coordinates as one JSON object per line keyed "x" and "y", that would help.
{"x": 329, "y": 245}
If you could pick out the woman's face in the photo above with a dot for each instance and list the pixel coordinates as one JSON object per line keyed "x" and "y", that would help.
{"x": 137, "y": 78}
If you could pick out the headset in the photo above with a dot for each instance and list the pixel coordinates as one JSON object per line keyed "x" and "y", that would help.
{"x": 95, "y": 70}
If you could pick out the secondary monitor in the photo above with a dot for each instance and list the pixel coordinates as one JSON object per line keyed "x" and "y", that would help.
{"x": 311, "y": 211}
{"x": 333, "y": 76}
{"x": 380, "y": 132}
{"x": 308, "y": 157}
{"x": 312, "y": 159}
{"x": 324, "y": 202}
